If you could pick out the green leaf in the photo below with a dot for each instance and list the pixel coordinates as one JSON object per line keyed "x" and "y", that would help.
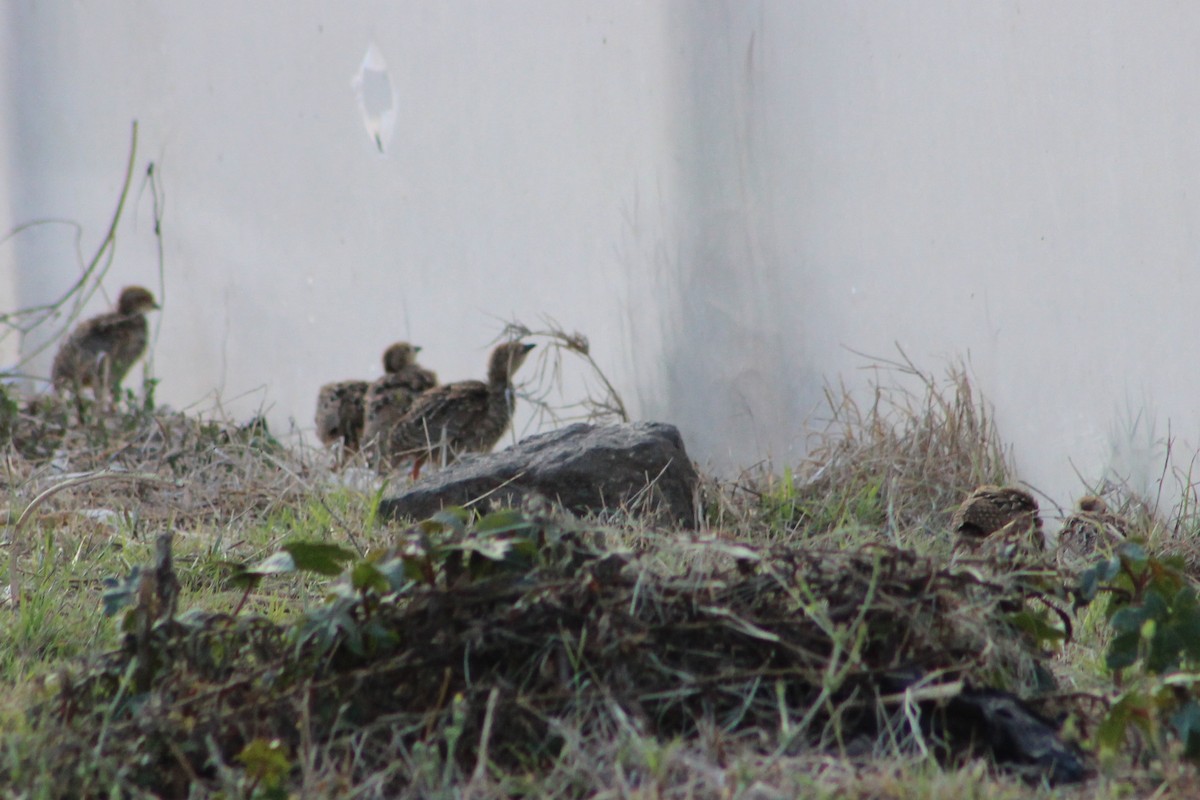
{"x": 1166, "y": 646}
{"x": 1100, "y": 573}
{"x": 1186, "y": 722}
{"x": 380, "y": 636}
{"x": 1155, "y": 603}
{"x": 1123, "y": 650}
{"x": 344, "y": 622}
{"x": 366, "y": 576}
{"x": 238, "y": 576}
{"x": 1129, "y": 619}
{"x": 492, "y": 549}
{"x": 275, "y": 564}
{"x": 1186, "y": 680}
{"x": 1185, "y": 602}
{"x": 1165, "y": 582}
{"x": 452, "y": 518}
{"x": 1175, "y": 562}
{"x": 417, "y": 569}
{"x": 506, "y": 552}
{"x": 395, "y": 571}
{"x": 502, "y": 521}
{"x": 1038, "y": 626}
{"x": 120, "y": 593}
{"x": 526, "y": 548}
{"x": 1132, "y": 708}
{"x": 319, "y": 557}
{"x": 265, "y": 761}
{"x": 1110, "y": 734}
{"x": 1133, "y": 556}
{"x": 1108, "y": 569}
{"x": 1089, "y": 585}
{"x": 1187, "y": 623}
{"x": 341, "y": 592}
{"x": 324, "y": 626}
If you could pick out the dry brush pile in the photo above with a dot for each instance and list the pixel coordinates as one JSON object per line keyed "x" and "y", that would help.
{"x": 183, "y": 470}
{"x": 499, "y": 635}
{"x": 818, "y": 615}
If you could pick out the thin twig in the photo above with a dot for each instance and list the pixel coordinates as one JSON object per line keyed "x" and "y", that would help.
{"x": 92, "y": 270}
{"x": 485, "y": 737}
{"x": 80, "y": 480}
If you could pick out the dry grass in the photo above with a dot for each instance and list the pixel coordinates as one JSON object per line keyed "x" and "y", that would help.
{"x": 190, "y": 471}
{"x": 759, "y": 657}
{"x": 895, "y": 466}
{"x": 601, "y": 401}
{"x": 787, "y": 649}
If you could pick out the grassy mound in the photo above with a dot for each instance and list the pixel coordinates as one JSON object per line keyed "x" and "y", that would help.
{"x": 490, "y": 637}
{"x": 801, "y": 643}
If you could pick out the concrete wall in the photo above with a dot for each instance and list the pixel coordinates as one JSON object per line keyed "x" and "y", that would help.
{"x": 727, "y": 198}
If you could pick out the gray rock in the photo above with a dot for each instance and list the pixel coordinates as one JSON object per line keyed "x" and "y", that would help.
{"x": 583, "y": 467}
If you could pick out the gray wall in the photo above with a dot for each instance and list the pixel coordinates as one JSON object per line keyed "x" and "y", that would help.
{"x": 728, "y": 198}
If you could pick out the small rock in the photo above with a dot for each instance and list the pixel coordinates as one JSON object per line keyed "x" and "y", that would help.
{"x": 1017, "y": 738}
{"x": 583, "y": 467}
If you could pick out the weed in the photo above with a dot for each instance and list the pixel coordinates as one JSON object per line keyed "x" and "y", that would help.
{"x": 793, "y": 647}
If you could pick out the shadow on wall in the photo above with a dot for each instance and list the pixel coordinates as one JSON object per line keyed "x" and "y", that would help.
{"x": 733, "y": 347}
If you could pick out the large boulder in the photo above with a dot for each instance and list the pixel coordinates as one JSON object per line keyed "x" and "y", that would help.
{"x": 641, "y": 465}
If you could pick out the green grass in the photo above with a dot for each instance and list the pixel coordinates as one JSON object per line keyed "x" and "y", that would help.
{"x": 888, "y": 473}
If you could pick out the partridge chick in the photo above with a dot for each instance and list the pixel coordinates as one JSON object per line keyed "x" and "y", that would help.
{"x": 1092, "y": 530}
{"x": 467, "y": 416}
{"x": 1006, "y": 515}
{"x": 389, "y": 398}
{"x": 341, "y": 406}
{"x": 340, "y": 413}
{"x": 100, "y": 351}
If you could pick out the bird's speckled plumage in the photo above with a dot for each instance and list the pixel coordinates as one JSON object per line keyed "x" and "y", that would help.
{"x": 389, "y": 398}
{"x": 101, "y": 350}
{"x": 341, "y": 406}
{"x": 989, "y": 508}
{"x": 340, "y": 413}
{"x": 466, "y": 416}
{"x": 1088, "y": 533}
{"x": 1005, "y": 515}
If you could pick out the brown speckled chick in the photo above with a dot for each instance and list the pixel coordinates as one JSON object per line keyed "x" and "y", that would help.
{"x": 341, "y": 406}
{"x": 389, "y": 398}
{"x": 1091, "y": 531}
{"x": 1000, "y": 512}
{"x": 467, "y": 416}
{"x": 101, "y": 350}
{"x": 340, "y": 413}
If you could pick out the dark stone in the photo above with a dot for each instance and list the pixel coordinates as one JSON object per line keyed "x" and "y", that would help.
{"x": 997, "y": 722}
{"x": 1014, "y": 733}
{"x": 583, "y": 467}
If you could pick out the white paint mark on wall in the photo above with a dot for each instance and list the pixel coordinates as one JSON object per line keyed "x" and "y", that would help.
{"x": 376, "y": 96}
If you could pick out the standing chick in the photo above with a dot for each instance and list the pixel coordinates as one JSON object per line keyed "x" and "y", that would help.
{"x": 390, "y": 397}
{"x": 1090, "y": 531}
{"x": 101, "y": 350}
{"x": 467, "y": 416}
{"x": 341, "y": 406}
{"x": 340, "y": 413}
